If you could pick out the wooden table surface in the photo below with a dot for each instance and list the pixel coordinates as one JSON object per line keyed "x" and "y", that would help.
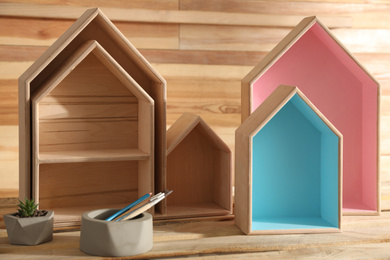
{"x": 361, "y": 238}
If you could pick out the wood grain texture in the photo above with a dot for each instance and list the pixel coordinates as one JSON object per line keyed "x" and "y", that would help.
{"x": 87, "y": 110}
{"x": 9, "y": 159}
{"x": 202, "y": 61}
{"x": 363, "y": 14}
{"x": 9, "y": 101}
{"x": 385, "y": 181}
{"x": 20, "y": 53}
{"x": 12, "y": 70}
{"x": 198, "y": 169}
{"x": 223, "y": 37}
{"x": 45, "y": 32}
{"x": 92, "y": 183}
{"x": 241, "y": 58}
{"x": 282, "y": 7}
{"x": 92, "y": 25}
{"x": 212, "y": 37}
{"x": 362, "y": 238}
{"x": 148, "y": 4}
{"x": 165, "y": 16}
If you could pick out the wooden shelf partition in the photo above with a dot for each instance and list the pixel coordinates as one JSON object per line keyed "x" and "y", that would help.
{"x": 102, "y": 131}
{"x": 92, "y": 134}
{"x": 311, "y": 58}
{"x": 93, "y": 155}
{"x": 288, "y": 168}
{"x": 199, "y": 171}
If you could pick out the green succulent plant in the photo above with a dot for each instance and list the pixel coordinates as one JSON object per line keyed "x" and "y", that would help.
{"x": 27, "y": 209}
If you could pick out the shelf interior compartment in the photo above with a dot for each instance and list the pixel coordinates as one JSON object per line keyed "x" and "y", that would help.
{"x": 197, "y": 172}
{"x": 295, "y": 165}
{"x": 88, "y": 184}
{"x": 293, "y": 223}
{"x": 90, "y": 109}
{"x": 348, "y": 97}
{"x": 188, "y": 210}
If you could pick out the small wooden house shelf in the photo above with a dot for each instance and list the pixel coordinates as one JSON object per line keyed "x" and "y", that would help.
{"x": 93, "y": 135}
{"x": 198, "y": 170}
{"x": 311, "y": 58}
{"x": 288, "y": 168}
{"x": 93, "y": 25}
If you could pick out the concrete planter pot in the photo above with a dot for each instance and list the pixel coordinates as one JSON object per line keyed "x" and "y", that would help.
{"x": 29, "y": 231}
{"x": 115, "y": 238}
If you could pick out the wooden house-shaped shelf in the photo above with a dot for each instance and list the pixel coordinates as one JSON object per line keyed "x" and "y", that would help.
{"x": 198, "y": 170}
{"x": 93, "y": 25}
{"x": 287, "y": 168}
{"x": 311, "y": 58}
{"x": 93, "y": 135}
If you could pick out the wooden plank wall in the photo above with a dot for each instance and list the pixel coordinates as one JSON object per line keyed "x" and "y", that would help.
{"x": 202, "y": 48}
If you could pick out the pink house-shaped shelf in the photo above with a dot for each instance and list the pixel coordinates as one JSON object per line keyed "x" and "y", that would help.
{"x": 92, "y": 25}
{"x": 287, "y": 168}
{"x": 313, "y": 59}
{"x": 199, "y": 170}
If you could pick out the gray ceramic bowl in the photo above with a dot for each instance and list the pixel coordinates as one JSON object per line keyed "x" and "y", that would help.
{"x": 115, "y": 238}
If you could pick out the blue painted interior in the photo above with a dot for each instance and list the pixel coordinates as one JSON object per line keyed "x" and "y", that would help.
{"x": 290, "y": 223}
{"x": 295, "y": 171}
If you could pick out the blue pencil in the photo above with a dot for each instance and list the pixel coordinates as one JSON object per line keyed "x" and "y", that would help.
{"x": 129, "y": 206}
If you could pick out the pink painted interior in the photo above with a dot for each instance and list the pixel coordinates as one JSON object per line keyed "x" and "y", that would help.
{"x": 345, "y": 94}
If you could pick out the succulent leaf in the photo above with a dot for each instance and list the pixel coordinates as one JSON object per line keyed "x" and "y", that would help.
{"x": 27, "y": 208}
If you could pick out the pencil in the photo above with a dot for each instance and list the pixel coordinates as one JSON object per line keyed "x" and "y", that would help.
{"x": 138, "y": 205}
{"x": 131, "y": 205}
{"x": 145, "y": 207}
{"x": 142, "y": 209}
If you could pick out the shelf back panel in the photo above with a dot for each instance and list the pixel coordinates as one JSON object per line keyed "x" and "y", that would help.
{"x": 286, "y": 163}
{"x": 295, "y": 164}
{"x": 191, "y": 170}
{"x": 89, "y": 110}
{"x": 87, "y": 184}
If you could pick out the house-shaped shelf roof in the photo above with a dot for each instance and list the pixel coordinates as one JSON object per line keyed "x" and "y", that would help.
{"x": 198, "y": 170}
{"x": 92, "y": 25}
{"x": 288, "y": 167}
{"x": 311, "y": 58}
{"x": 92, "y": 48}
{"x": 93, "y": 87}
{"x": 185, "y": 125}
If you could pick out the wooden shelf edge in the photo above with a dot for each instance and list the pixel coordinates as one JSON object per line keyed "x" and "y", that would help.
{"x": 92, "y": 156}
{"x": 184, "y": 211}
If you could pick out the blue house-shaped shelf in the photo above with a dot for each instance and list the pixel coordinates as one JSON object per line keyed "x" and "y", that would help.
{"x": 287, "y": 168}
